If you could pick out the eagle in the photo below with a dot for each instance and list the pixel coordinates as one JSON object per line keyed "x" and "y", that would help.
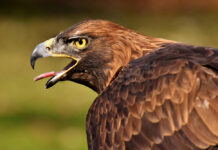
{"x": 153, "y": 93}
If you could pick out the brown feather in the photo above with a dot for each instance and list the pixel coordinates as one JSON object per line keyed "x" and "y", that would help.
{"x": 163, "y": 106}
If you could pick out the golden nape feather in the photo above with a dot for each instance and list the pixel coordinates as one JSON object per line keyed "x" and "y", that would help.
{"x": 154, "y": 94}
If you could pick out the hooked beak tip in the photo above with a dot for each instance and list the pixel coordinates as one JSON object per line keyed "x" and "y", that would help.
{"x": 32, "y": 62}
{"x": 38, "y": 52}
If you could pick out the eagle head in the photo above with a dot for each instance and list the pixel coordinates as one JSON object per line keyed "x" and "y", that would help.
{"x": 97, "y": 48}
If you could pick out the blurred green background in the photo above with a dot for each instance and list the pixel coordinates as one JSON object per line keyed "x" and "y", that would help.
{"x": 32, "y": 117}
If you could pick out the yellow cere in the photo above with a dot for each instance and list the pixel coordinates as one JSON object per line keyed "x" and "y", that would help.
{"x": 49, "y": 42}
{"x": 81, "y": 43}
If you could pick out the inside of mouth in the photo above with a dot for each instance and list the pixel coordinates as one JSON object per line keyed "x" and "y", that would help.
{"x": 52, "y": 73}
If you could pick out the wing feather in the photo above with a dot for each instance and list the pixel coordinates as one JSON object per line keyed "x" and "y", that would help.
{"x": 167, "y": 100}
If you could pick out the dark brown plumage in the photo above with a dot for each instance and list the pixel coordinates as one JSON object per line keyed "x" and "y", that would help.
{"x": 154, "y": 94}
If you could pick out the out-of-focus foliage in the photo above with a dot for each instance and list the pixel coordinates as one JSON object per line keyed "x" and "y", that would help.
{"x": 32, "y": 117}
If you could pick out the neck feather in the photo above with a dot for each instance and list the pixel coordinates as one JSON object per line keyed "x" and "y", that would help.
{"x": 127, "y": 49}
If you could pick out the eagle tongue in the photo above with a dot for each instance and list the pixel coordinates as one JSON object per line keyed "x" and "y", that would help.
{"x": 46, "y": 75}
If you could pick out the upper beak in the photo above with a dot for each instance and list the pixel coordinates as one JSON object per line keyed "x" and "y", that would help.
{"x": 44, "y": 49}
{"x": 41, "y": 50}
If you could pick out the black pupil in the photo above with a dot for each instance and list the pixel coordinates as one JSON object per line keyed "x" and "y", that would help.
{"x": 80, "y": 41}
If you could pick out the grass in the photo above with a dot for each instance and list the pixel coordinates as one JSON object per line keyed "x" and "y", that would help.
{"x": 32, "y": 117}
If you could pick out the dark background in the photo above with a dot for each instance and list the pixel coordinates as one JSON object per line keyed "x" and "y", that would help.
{"x": 32, "y": 117}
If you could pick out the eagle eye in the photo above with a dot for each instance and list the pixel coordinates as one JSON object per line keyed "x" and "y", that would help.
{"x": 80, "y": 43}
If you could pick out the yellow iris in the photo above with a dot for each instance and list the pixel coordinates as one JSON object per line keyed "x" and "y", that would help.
{"x": 80, "y": 43}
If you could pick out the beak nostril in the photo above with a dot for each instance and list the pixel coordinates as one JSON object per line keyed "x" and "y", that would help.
{"x": 48, "y": 48}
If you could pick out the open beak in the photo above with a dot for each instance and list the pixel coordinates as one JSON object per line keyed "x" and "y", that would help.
{"x": 45, "y": 50}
